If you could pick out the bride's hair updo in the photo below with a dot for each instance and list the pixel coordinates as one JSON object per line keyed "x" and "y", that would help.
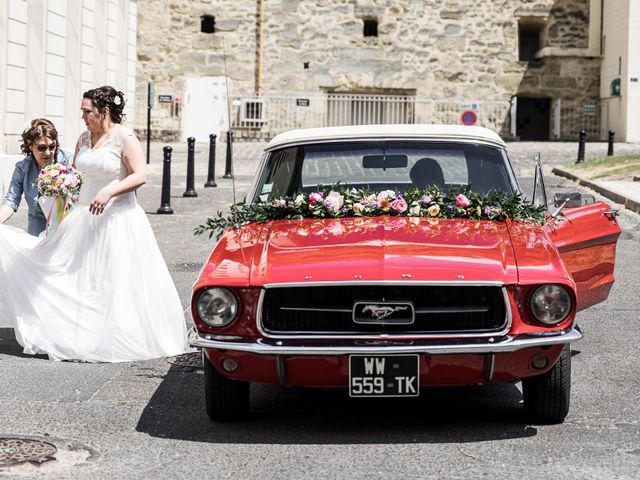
{"x": 107, "y": 96}
{"x": 40, "y": 127}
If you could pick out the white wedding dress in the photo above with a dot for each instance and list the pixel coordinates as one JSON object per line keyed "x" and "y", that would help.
{"x": 98, "y": 289}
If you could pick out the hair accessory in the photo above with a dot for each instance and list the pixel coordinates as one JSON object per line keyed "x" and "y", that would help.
{"x": 117, "y": 100}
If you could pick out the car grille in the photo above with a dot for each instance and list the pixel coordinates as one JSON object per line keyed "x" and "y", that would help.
{"x": 439, "y": 309}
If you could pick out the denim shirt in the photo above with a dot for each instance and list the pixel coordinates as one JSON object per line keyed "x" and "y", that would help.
{"x": 23, "y": 182}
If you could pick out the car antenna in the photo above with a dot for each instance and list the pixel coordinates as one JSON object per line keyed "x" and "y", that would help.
{"x": 230, "y": 136}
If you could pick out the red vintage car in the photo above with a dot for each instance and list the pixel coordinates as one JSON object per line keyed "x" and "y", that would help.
{"x": 383, "y": 289}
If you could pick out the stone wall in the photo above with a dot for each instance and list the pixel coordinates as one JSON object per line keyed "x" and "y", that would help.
{"x": 437, "y": 49}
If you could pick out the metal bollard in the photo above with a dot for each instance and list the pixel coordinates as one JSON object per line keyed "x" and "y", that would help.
{"x": 227, "y": 164}
{"x": 190, "y": 191}
{"x": 165, "y": 201}
{"x": 211, "y": 174}
{"x": 612, "y": 134}
{"x": 581, "y": 143}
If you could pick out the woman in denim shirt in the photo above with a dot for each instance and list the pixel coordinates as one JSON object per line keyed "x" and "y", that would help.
{"x": 40, "y": 144}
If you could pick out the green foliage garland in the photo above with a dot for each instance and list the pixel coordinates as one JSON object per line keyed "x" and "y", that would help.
{"x": 340, "y": 201}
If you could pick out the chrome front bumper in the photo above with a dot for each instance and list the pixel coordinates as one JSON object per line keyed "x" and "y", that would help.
{"x": 381, "y": 346}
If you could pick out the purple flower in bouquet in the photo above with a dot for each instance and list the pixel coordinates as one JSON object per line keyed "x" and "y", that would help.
{"x": 426, "y": 199}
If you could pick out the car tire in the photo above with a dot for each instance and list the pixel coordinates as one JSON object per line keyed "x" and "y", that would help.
{"x": 546, "y": 396}
{"x": 225, "y": 399}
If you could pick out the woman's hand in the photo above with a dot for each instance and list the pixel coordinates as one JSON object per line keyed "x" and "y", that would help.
{"x": 100, "y": 201}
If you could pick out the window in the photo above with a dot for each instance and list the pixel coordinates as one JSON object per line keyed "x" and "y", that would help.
{"x": 449, "y": 165}
{"x": 208, "y": 24}
{"x": 252, "y": 110}
{"x": 528, "y": 41}
{"x": 370, "y": 28}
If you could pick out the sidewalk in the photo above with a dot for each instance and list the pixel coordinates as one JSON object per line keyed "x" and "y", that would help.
{"x": 624, "y": 192}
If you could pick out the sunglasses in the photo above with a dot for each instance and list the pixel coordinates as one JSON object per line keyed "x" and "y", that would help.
{"x": 44, "y": 148}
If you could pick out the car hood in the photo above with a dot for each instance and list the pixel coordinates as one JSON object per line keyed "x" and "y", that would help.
{"x": 383, "y": 249}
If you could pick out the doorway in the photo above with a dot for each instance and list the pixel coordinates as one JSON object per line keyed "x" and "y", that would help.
{"x": 533, "y": 118}
{"x": 205, "y": 108}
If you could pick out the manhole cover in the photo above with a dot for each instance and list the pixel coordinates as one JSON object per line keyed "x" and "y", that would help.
{"x": 20, "y": 450}
{"x": 188, "y": 360}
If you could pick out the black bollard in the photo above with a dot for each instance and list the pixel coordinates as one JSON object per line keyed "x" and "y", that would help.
{"x": 165, "y": 201}
{"x": 227, "y": 164}
{"x": 581, "y": 143}
{"x": 211, "y": 174}
{"x": 612, "y": 134}
{"x": 190, "y": 191}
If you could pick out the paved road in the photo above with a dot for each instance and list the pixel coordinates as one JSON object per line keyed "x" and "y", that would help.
{"x": 147, "y": 420}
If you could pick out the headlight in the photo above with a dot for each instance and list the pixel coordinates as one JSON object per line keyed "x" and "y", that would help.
{"x": 217, "y": 306}
{"x": 550, "y": 304}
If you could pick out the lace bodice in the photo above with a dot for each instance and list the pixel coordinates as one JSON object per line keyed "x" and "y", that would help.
{"x": 103, "y": 165}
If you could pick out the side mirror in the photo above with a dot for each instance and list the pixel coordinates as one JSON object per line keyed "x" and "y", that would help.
{"x": 539, "y": 190}
{"x": 570, "y": 200}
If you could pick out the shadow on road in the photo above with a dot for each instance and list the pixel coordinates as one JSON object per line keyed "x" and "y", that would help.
{"x": 10, "y": 346}
{"x": 282, "y": 415}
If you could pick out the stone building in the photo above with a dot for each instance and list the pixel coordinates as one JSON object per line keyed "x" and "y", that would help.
{"x": 529, "y": 69}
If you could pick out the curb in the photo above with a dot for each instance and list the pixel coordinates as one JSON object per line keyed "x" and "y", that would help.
{"x": 616, "y": 197}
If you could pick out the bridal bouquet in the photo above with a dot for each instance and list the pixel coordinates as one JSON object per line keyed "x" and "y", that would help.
{"x": 58, "y": 185}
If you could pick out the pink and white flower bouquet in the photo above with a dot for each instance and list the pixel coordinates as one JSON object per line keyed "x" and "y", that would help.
{"x": 58, "y": 185}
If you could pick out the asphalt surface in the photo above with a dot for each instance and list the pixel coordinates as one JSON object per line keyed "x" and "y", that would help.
{"x": 147, "y": 420}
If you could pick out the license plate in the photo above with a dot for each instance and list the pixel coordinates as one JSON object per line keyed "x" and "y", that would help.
{"x": 384, "y": 376}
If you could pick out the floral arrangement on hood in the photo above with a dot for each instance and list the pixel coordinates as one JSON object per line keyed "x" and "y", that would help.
{"x": 345, "y": 202}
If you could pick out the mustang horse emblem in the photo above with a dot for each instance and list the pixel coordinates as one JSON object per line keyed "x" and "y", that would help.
{"x": 380, "y": 312}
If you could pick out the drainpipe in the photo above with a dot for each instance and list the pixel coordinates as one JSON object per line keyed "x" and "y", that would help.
{"x": 259, "y": 44}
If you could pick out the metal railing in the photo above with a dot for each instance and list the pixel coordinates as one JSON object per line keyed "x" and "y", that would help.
{"x": 577, "y": 115}
{"x": 267, "y": 115}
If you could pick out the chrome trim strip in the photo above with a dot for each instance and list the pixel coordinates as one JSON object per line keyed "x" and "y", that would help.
{"x": 412, "y": 283}
{"x": 303, "y": 309}
{"x": 491, "y": 345}
{"x": 293, "y": 335}
{"x": 363, "y": 138}
{"x": 489, "y": 367}
{"x": 454, "y": 310}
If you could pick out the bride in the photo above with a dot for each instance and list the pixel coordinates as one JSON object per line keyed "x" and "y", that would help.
{"x": 98, "y": 289}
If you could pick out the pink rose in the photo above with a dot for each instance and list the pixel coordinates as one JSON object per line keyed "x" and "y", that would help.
{"x": 315, "y": 197}
{"x": 399, "y": 205}
{"x": 462, "y": 201}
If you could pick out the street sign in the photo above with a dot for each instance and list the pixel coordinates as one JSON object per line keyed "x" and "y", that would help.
{"x": 469, "y": 117}
{"x": 150, "y": 95}
{"x": 302, "y": 102}
{"x": 164, "y": 98}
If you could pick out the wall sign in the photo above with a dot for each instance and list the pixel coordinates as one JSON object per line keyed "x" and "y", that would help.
{"x": 615, "y": 87}
{"x": 302, "y": 102}
{"x": 164, "y": 98}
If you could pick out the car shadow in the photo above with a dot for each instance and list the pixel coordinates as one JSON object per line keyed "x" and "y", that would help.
{"x": 293, "y": 415}
{"x": 10, "y": 346}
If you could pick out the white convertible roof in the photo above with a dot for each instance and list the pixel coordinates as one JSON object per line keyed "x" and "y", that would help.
{"x": 368, "y": 132}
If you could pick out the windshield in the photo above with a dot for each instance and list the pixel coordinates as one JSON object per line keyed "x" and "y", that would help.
{"x": 388, "y": 165}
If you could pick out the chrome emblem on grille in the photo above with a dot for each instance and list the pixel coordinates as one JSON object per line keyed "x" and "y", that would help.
{"x": 397, "y": 313}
